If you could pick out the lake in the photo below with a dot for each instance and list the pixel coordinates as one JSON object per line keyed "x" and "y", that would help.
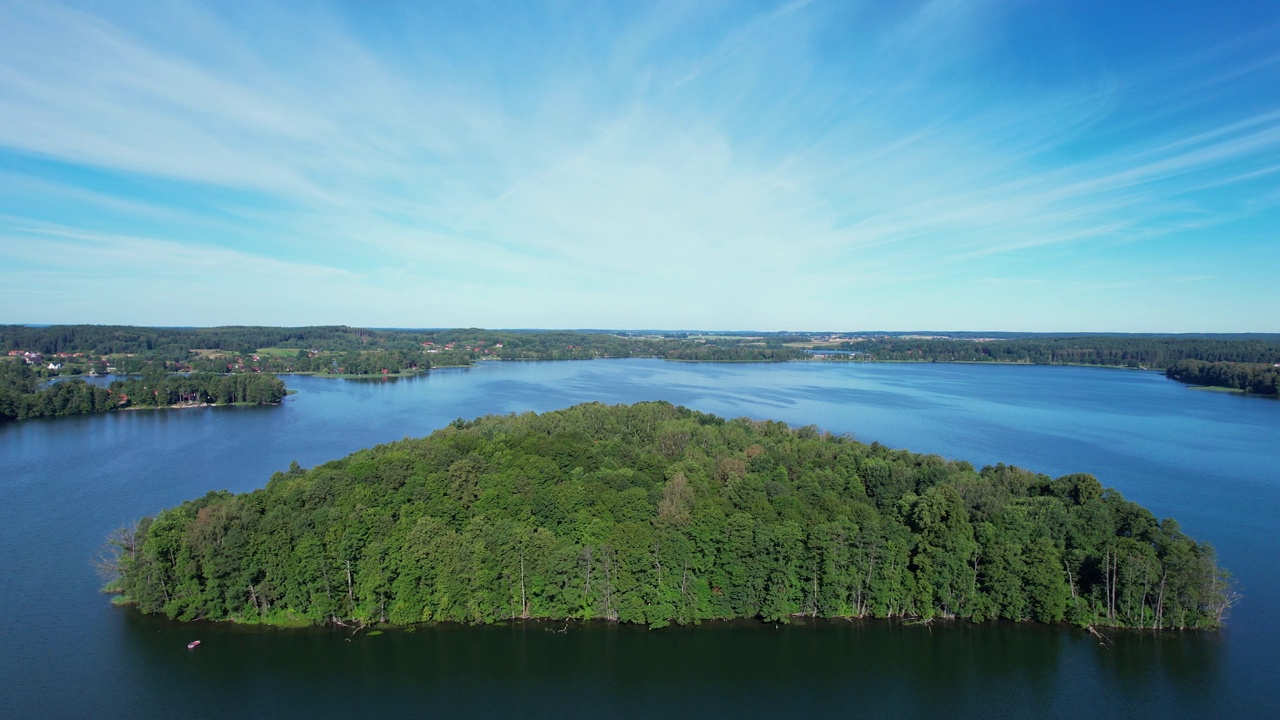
{"x": 1206, "y": 459}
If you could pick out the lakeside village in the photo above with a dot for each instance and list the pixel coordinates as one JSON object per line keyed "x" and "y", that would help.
{"x": 30, "y": 357}
{"x": 1246, "y": 362}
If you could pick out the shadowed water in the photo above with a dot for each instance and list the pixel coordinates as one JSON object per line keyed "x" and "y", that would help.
{"x": 1207, "y": 459}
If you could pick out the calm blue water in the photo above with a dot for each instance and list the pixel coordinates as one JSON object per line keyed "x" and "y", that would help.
{"x": 1208, "y": 459}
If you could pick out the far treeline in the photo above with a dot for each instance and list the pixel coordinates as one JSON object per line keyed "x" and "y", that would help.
{"x": 31, "y": 356}
{"x": 1255, "y": 378}
{"x": 22, "y": 395}
{"x": 340, "y": 351}
{"x": 1134, "y": 351}
{"x": 656, "y": 514}
{"x": 357, "y": 351}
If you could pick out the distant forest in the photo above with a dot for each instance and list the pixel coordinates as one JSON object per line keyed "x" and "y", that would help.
{"x": 1259, "y": 379}
{"x": 179, "y": 364}
{"x": 1134, "y": 351}
{"x": 657, "y": 514}
{"x": 347, "y": 351}
{"x": 64, "y": 351}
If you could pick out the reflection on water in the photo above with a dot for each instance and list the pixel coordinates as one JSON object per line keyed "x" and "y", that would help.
{"x": 1204, "y": 458}
{"x": 814, "y": 668}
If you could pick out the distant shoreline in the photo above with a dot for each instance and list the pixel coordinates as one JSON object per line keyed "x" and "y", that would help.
{"x": 185, "y": 406}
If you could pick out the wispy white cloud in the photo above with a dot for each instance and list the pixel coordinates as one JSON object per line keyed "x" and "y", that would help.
{"x": 738, "y": 41}
{"x": 76, "y": 250}
{"x": 779, "y": 165}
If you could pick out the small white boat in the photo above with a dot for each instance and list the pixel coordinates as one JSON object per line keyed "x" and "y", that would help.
{"x": 192, "y": 645}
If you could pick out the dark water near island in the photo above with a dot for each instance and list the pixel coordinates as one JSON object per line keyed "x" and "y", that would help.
{"x": 1207, "y": 459}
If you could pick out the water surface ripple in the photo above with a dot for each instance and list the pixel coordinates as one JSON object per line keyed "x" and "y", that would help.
{"x": 1208, "y": 459}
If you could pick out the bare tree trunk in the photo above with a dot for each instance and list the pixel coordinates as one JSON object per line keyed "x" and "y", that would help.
{"x": 524, "y": 602}
{"x": 975, "y": 574}
{"x": 1111, "y": 585}
{"x": 813, "y": 607}
{"x": 1115, "y": 584}
{"x": 351, "y": 596}
{"x": 1160, "y": 601}
{"x": 684, "y": 589}
{"x": 866, "y": 583}
{"x": 1111, "y": 596}
{"x": 609, "y": 611}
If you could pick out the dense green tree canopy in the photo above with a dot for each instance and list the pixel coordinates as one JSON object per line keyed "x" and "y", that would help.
{"x": 1148, "y": 351}
{"x": 345, "y": 351}
{"x": 199, "y": 388}
{"x": 1257, "y": 378}
{"x": 656, "y": 514}
{"x": 23, "y": 393}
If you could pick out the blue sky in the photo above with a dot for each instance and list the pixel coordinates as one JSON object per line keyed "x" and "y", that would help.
{"x": 1040, "y": 165}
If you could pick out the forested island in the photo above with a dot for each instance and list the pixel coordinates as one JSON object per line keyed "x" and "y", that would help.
{"x": 656, "y": 514}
